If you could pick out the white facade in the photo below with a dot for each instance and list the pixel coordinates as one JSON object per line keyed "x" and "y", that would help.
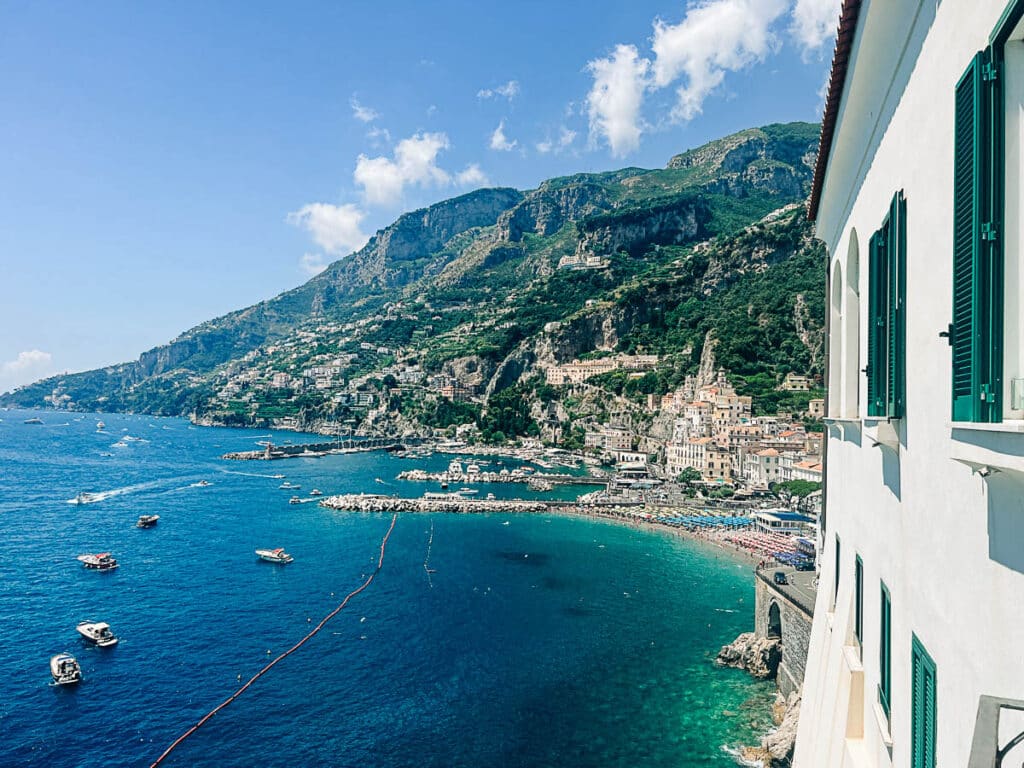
{"x": 933, "y": 509}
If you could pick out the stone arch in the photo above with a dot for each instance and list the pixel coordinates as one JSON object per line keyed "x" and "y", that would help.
{"x": 835, "y": 343}
{"x": 851, "y": 331}
{"x": 774, "y": 620}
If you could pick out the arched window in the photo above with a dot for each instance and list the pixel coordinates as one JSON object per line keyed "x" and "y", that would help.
{"x": 851, "y": 332}
{"x": 774, "y": 620}
{"x": 835, "y": 345}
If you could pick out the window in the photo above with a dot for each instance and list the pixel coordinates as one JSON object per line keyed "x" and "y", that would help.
{"x": 976, "y": 331}
{"x": 858, "y": 605}
{"x": 885, "y": 652}
{"x": 887, "y": 270}
{"x": 922, "y": 721}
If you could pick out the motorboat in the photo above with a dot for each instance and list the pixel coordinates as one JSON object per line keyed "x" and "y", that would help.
{"x": 119, "y": 444}
{"x": 490, "y": 497}
{"x": 97, "y": 632}
{"x": 147, "y": 521}
{"x": 85, "y": 498}
{"x": 64, "y": 669}
{"x": 287, "y": 485}
{"x": 274, "y": 555}
{"x": 277, "y": 477}
{"x": 316, "y": 492}
{"x": 33, "y": 420}
{"x": 468, "y": 490}
{"x": 101, "y": 562}
{"x": 455, "y": 467}
{"x": 100, "y": 425}
{"x": 294, "y": 500}
{"x": 202, "y": 484}
{"x": 473, "y": 469}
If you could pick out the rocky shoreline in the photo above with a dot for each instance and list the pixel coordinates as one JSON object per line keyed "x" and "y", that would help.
{"x": 760, "y": 657}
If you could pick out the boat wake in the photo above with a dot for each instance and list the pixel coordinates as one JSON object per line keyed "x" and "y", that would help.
{"x": 248, "y": 474}
{"x": 93, "y": 497}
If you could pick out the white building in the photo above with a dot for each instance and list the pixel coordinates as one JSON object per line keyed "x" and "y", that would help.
{"x": 917, "y": 650}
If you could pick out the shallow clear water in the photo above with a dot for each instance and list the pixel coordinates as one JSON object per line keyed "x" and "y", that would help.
{"x": 541, "y": 642}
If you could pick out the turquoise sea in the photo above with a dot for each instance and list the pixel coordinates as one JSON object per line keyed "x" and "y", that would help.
{"x": 536, "y": 641}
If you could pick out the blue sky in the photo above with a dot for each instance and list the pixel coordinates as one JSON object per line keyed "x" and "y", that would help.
{"x": 164, "y": 163}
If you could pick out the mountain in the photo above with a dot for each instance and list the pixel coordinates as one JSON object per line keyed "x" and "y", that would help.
{"x": 706, "y": 259}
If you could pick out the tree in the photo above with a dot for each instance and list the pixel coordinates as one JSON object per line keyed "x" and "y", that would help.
{"x": 689, "y": 476}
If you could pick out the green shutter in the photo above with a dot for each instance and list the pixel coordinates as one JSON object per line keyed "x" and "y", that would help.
{"x": 835, "y": 593}
{"x": 885, "y": 652}
{"x": 877, "y": 322}
{"x": 977, "y": 243}
{"x": 923, "y": 715}
{"x": 858, "y": 609}
{"x": 895, "y": 233}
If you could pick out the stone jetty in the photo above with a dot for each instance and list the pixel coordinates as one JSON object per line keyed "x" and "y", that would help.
{"x": 375, "y": 503}
{"x": 313, "y": 450}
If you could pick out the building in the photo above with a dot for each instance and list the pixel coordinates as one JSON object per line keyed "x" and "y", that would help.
{"x": 781, "y": 521}
{"x": 816, "y": 408}
{"x": 702, "y": 454}
{"x": 796, "y": 383}
{"x": 915, "y": 658}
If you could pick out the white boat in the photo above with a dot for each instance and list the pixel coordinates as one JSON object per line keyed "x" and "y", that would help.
{"x": 490, "y": 497}
{"x": 277, "y": 477}
{"x": 455, "y": 468}
{"x": 274, "y": 555}
{"x": 147, "y": 521}
{"x": 294, "y": 500}
{"x": 472, "y": 469}
{"x": 119, "y": 444}
{"x": 316, "y": 492}
{"x": 101, "y": 562}
{"x": 97, "y": 632}
{"x": 85, "y": 498}
{"x": 289, "y": 486}
{"x": 64, "y": 669}
{"x": 202, "y": 484}
{"x": 100, "y": 426}
{"x": 33, "y": 420}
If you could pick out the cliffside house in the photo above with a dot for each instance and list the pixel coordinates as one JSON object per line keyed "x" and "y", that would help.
{"x": 916, "y": 657}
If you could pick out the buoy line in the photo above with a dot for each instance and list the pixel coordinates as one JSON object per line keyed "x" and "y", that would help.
{"x": 202, "y": 721}
{"x": 426, "y": 560}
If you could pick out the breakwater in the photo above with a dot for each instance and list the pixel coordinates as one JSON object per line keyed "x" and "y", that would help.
{"x": 357, "y": 502}
{"x": 307, "y": 450}
{"x": 469, "y": 478}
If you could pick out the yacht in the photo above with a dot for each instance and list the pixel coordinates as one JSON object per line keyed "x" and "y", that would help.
{"x": 455, "y": 467}
{"x": 294, "y": 500}
{"x": 97, "y": 632}
{"x": 33, "y": 420}
{"x": 274, "y": 555}
{"x": 100, "y": 562}
{"x": 316, "y": 492}
{"x": 64, "y": 669}
{"x": 286, "y": 485}
{"x": 473, "y": 469}
{"x": 147, "y": 521}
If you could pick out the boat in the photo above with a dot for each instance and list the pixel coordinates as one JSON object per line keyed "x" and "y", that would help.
{"x": 490, "y": 497}
{"x": 468, "y": 490}
{"x": 100, "y": 426}
{"x": 289, "y": 486}
{"x": 455, "y": 468}
{"x": 274, "y": 555}
{"x": 202, "y": 484}
{"x": 101, "y": 562}
{"x": 64, "y": 669}
{"x": 316, "y": 492}
{"x": 473, "y": 469}
{"x": 147, "y": 521}
{"x": 294, "y": 500}
{"x": 33, "y": 420}
{"x": 277, "y": 477}
{"x": 85, "y": 498}
{"x": 378, "y": 480}
{"x": 97, "y": 632}
{"x": 119, "y": 444}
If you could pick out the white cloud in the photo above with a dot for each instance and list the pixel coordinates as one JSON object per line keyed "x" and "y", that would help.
{"x": 500, "y": 142}
{"x": 335, "y": 228}
{"x": 509, "y": 91}
{"x": 715, "y": 37}
{"x": 363, "y": 113}
{"x": 414, "y": 163}
{"x": 814, "y": 22}
{"x": 472, "y": 176}
{"x": 614, "y": 101}
{"x": 565, "y": 139}
{"x": 312, "y": 264}
{"x": 378, "y": 135}
{"x": 25, "y": 368}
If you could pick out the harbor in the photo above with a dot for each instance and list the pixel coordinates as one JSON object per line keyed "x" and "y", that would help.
{"x": 270, "y": 452}
{"x": 537, "y": 479}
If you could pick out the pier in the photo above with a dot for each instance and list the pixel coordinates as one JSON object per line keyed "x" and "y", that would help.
{"x": 374, "y": 503}
{"x": 313, "y": 450}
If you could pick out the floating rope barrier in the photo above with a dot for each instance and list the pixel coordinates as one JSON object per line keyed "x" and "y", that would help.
{"x": 426, "y": 560}
{"x": 202, "y": 721}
